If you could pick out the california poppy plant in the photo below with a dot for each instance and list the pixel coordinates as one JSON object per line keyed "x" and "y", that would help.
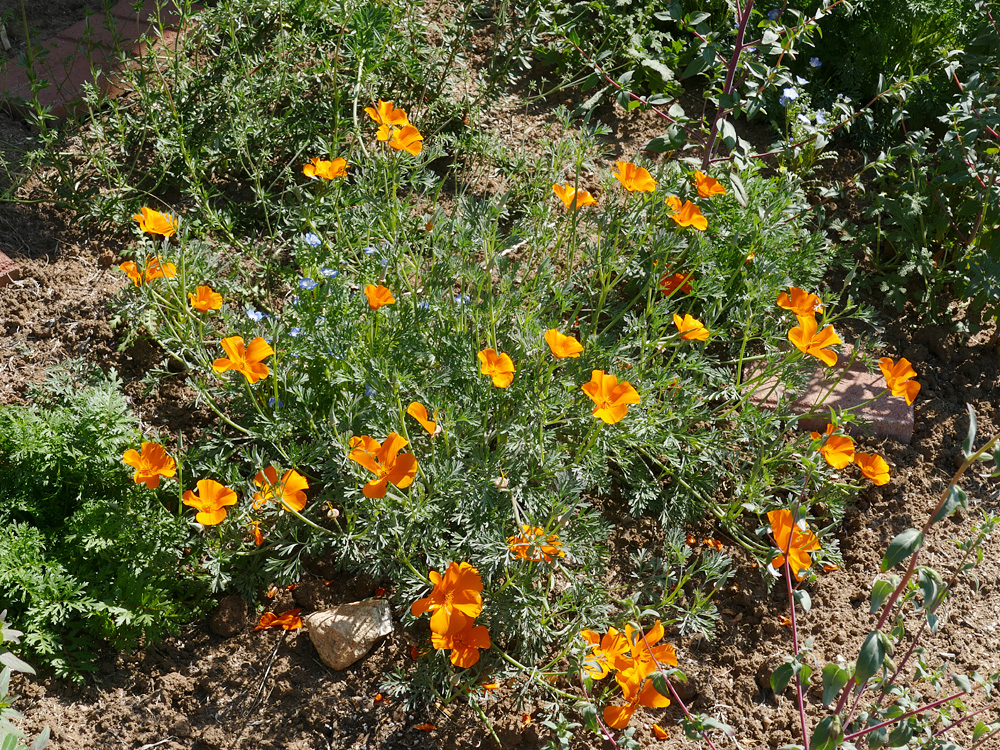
{"x": 455, "y": 600}
{"x": 204, "y": 299}
{"x": 676, "y": 283}
{"x": 408, "y": 139}
{"x": 838, "y": 450}
{"x": 500, "y": 367}
{"x": 151, "y": 464}
{"x": 153, "y": 222}
{"x": 328, "y": 170}
{"x": 464, "y": 643}
{"x": 611, "y": 398}
{"x": 605, "y": 652}
{"x": 637, "y": 691}
{"x": 573, "y": 198}
{"x": 288, "y": 620}
{"x": 897, "y": 378}
{"x": 807, "y": 340}
{"x": 874, "y": 467}
{"x": 378, "y": 296}
{"x": 707, "y": 186}
{"x": 686, "y": 214}
{"x": 157, "y": 269}
{"x": 690, "y": 328}
{"x": 794, "y": 540}
{"x": 646, "y": 651}
{"x": 290, "y": 492}
{"x": 634, "y": 179}
{"x": 533, "y": 545}
{"x": 248, "y": 361}
{"x": 562, "y": 347}
{"x": 419, "y": 412}
{"x": 387, "y": 117}
{"x": 383, "y": 460}
{"x": 130, "y": 268}
{"x": 800, "y": 302}
{"x": 211, "y": 501}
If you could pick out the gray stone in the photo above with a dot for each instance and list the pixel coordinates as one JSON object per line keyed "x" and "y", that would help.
{"x": 345, "y": 633}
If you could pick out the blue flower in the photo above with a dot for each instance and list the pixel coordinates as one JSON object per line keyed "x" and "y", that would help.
{"x": 791, "y": 94}
{"x": 311, "y": 239}
{"x": 820, "y": 118}
{"x": 801, "y": 81}
{"x": 329, "y": 272}
{"x": 271, "y": 402}
{"x": 462, "y": 299}
{"x": 385, "y": 262}
{"x": 255, "y": 315}
{"x": 371, "y": 250}
{"x": 369, "y": 391}
{"x": 296, "y": 331}
{"x": 424, "y": 305}
{"x": 773, "y": 14}
{"x": 803, "y": 118}
{"x": 307, "y": 284}
{"x": 815, "y": 62}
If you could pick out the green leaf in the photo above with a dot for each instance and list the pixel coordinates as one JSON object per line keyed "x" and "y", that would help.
{"x": 804, "y": 600}
{"x": 963, "y": 682}
{"x": 982, "y": 729}
{"x": 9, "y": 660}
{"x": 970, "y": 438}
{"x": 870, "y": 657}
{"x": 780, "y": 677}
{"x": 40, "y": 741}
{"x": 828, "y": 734}
{"x": 660, "y": 684}
{"x": 901, "y": 734}
{"x": 660, "y": 68}
{"x": 739, "y": 189}
{"x": 957, "y": 498}
{"x": 880, "y": 591}
{"x": 588, "y": 712}
{"x": 904, "y": 545}
{"x": 672, "y": 140}
{"x": 834, "y": 679}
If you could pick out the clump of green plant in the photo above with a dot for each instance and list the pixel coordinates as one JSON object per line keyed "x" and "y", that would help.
{"x": 84, "y": 559}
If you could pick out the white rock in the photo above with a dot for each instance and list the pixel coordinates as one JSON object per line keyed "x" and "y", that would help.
{"x": 344, "y": 634}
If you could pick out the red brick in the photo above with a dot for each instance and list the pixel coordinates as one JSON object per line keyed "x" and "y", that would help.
{"x": 8, "y": 270}
{"x": 889, "y": 416}
{"x": 168, "y": 13}
{"x": 63, "y": 65}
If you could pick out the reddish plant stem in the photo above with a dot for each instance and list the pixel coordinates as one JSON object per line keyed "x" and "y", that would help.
{"x": 907, "y": 715}
{"x": 607, "y": 732}
{"x": 727, "y": 87}
{"x": 965, "y": 718}
{"x": 913, "y": 646}
{"x": 991, "y": 735}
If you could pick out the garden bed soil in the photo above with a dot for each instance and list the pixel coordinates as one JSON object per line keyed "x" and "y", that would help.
{"x": 202, "y": 690}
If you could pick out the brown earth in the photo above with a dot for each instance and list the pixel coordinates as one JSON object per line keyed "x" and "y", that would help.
{"x": 203, "y": 690}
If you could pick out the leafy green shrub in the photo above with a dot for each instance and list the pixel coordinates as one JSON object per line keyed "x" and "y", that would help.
{"x": 85, "y": 557}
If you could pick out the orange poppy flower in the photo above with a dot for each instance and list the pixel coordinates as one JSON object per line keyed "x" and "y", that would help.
{"x": 611, "y": 398}
{"x": 248, "y": 361}
{"x": 328, "y": 170}
{"x": 874, "y": 467}
{"x": 155, "y": 269}
{"x": 838, "y": 450}
{"x": 258, "y": 538}
{"x": 383, "y": 461}
{"x": 153, "y": 222}
{"x": 806, "y": 339}
{"x": 646, "y": 654}
{"x": 290, "y": 491}
{"x": 288, "y": 620}
{"x": 686, "y": 214}
{"x": 388, "y": 118}
{"x": 132, "y": 270}
{"x": 678, "y": 282}
{"x": 211, "y": 501}
{"x": 690, "y": 328}
{"x": 562, "y": 346}
{"x": 529, "y": 546}
{"x": 425, "y": 727}
{"x": 606, "y": 652}
{"x": 636, "y": 693}
{"x": 634, "y": 179}
{"x": 406, "y": 138}
{"x": 785, "y": 621}
{"x": 573, "y": 198}
{"x": 800, "y": 302}
{"x": 150, "y": 465}
{"x": 464, "y": 644}
{"x": 707, "y": 186}
{"x": 378, "y": 296}
{"x": 204, "y": 299}
{"x": 897, "y": 378}
{"x": 419, "y": 412}
{"x": 660, "y": 732}
{"x": 793, "y": 540}
{"x": 499, "y": 367}
{"x": 455, "y": 600}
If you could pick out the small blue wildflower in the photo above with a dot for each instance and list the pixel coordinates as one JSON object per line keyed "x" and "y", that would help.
{"x": 773, "y": 14}
{"x": 311, "y": 239}
{"x": 820, "y": 118}
{"x": 296, "y": 331}
{"x": 783, "y": 101}
{"x": 307, "y": 283}
{"x": 424, "y": 305}
{"x": 791, "y": 94}
{"x": 371, "y": 250}
{"x": 803, "y": 118}
{"x": 801, "y": 81}
{"x": 385, "y": 262}
{"x": 272, "y": 401}
{"x": 462, "y": 299}
{"x": 255, "y": 315}
{"x": 815, "y": 62}
{"x": 369, "y": 391}
{"x": 329, "y": 272}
